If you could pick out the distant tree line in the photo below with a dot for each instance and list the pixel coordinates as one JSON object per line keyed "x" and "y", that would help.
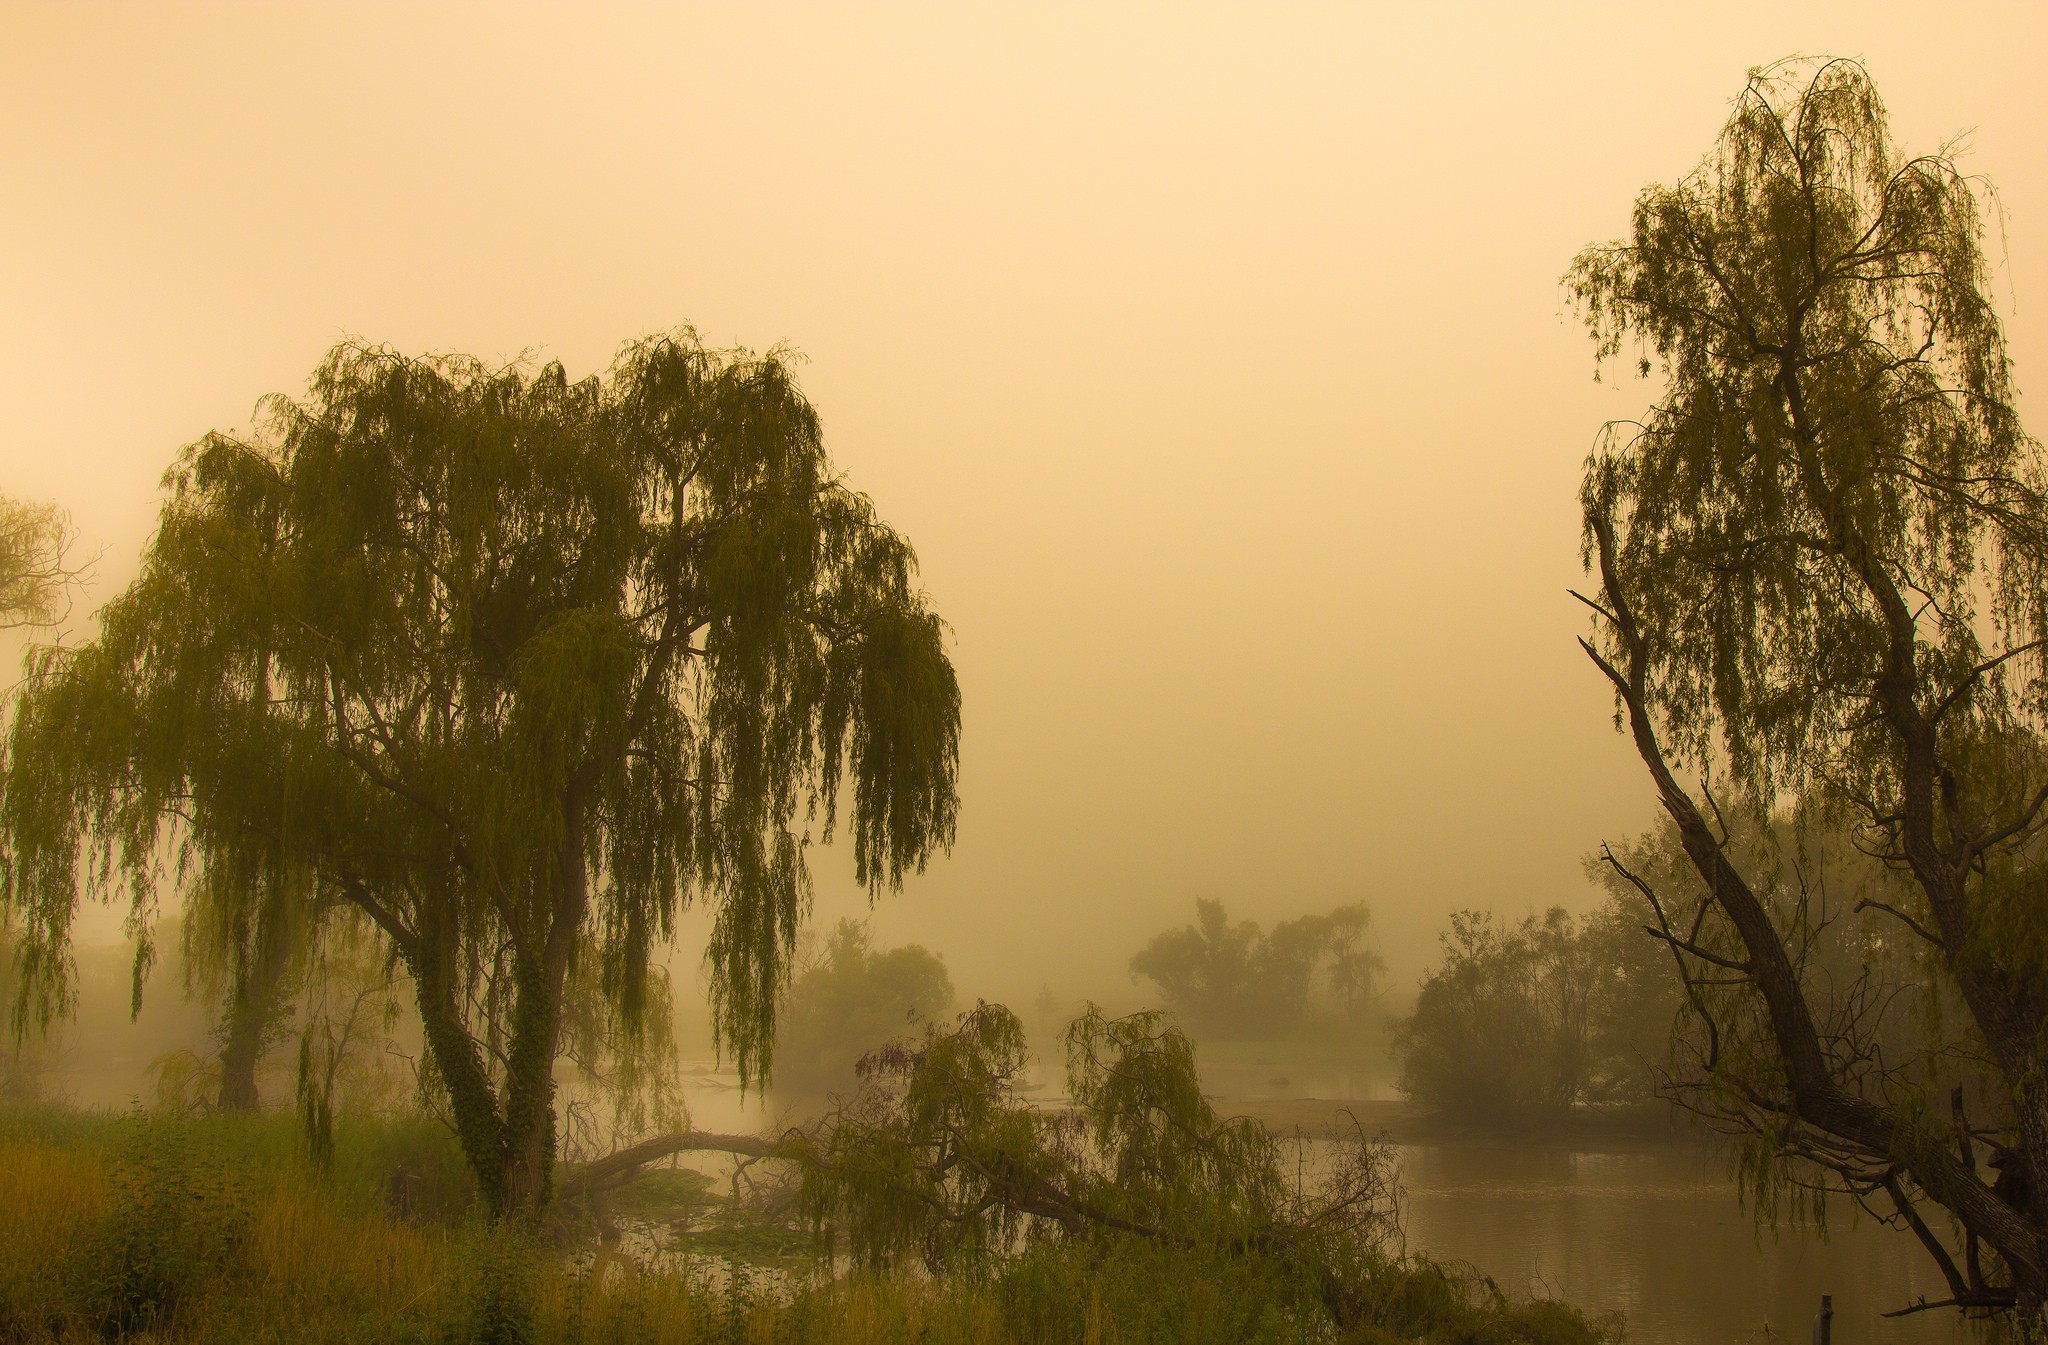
{"x": 1236, "y": 981}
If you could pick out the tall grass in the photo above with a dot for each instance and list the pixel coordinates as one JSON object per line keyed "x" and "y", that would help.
{"x": 219, "y": 1229}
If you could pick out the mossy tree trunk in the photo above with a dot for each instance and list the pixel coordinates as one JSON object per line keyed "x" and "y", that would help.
{"x": 504, "y": 1108}
{"x": 249, "y": 1016}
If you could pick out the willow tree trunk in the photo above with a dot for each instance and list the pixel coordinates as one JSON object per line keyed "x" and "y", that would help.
{"x": 252, "y": 1004}
{"x": 507, "y": 1125}
{"x": 240, "y": 1051}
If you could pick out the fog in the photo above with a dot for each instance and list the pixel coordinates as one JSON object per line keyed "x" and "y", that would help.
{"x": 1213, "y": 358}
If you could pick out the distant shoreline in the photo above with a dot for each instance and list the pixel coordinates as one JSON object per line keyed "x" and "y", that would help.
{"x": 1651, "y": 1126}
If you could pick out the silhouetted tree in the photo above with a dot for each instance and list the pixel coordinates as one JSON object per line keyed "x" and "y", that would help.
{"x": 1822, "y": 566}
{"x": 516, "y": 667}
{"x": 34, "y": 575}
{"x": 852, "y": 1001}
{"x": 33, "y": 581}
{"x": 1522, "y": 1021}
{"x": 1237, "y": 980}
{"x": 244, "y": 952}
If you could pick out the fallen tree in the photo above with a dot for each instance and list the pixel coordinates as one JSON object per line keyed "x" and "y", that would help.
{"x": 616, "y": 1169}
{"x": 939, "y": 1165}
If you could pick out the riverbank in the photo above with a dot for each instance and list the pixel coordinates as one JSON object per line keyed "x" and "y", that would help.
{"x": 1605, "y": 1130}
{"x": 220, "y": 1229}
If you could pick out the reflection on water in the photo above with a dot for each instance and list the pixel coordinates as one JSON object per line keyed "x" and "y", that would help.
{"x": 1657, "y": 1235}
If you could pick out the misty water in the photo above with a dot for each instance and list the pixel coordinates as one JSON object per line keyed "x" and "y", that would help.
{"x": 1657, "y": 1235}
{"x": 1652, "y": 1231}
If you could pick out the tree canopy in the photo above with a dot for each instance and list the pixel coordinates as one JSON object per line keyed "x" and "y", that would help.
{"x": 1522, "y": 1021}
{"x": 517, "y": 667}
{"x": 1236, "y": 981}
{"x": 33, "y": 573}
{"x": 852, "y": 999}
{"x": 1820, "y": 564}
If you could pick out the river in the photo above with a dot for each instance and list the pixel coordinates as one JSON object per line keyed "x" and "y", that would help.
{"x": 1656, "y": 1234}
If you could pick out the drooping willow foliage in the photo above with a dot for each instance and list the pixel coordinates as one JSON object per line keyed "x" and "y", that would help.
{"x": 940, "y": 1158}
{"x": 1838, "y": 431}
{"x": 1822, "y": 566}
{"x": 515, "y": 666}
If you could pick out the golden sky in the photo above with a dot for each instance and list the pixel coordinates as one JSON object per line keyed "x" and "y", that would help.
{"x": 1213, "y": 357}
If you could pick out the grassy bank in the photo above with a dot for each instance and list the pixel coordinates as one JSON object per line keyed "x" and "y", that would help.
{"x": 218, "y": 1229}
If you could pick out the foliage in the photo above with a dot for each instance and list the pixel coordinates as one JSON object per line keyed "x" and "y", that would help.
{"x": 34, "y": 581}
{"x": 26, "y": 1060}
{"x": 1821, "y": 562}
{"x": 1236, "y": 981}
{"x": 176, "y": 1217}
{"x": 322, "y": 1261}
{"x": 1522, "y": 1022}
{"x": 515, "y": 667}
{"x": 627, "y": 1077}
{"x": 852, "y": 1000}
{"x": 938, "y": 1161}
{"x": 33, "y": 575}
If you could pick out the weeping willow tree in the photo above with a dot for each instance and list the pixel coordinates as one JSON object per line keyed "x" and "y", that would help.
{"x": 1820, "y": 564}
{"x": 514, "y": 666}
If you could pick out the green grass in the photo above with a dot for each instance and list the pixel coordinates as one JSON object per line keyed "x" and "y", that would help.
{"x": 218, "y": 1229}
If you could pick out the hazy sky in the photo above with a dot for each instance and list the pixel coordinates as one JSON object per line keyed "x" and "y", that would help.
{"x": 1213, "y": 357}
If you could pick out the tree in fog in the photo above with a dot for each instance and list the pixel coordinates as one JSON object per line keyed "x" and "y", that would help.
{"x": 1820, "y": 574}
{"x": 34, "y": 575}
{"x": 34, "y": 578}
{"x": 1522, "y": 1021}
{"x": 516, "y": 668}
{"x": 1236, "y": 980}
{"x": 1863, "y": 979}
{"x": 850, "y": 1001}
{"x": 939, "y": 1158}
{"x": 246, "y": 952}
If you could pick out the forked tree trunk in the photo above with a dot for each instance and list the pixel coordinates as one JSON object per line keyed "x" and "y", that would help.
{"x": 508, "y": 1130}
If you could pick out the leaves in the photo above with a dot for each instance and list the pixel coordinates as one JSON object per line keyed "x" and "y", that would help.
{"x": 1821, "y": 560}
{"x": 1837, "y": 410}
{"x": 939, "y": 1157}
{"x": 513, "y": 665}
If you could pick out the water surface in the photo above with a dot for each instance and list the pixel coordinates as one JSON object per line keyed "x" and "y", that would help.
{"x": 1657, "y": 1235}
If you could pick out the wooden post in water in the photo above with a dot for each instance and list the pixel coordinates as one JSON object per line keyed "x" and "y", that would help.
{"x": 1824, "y": 1321}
